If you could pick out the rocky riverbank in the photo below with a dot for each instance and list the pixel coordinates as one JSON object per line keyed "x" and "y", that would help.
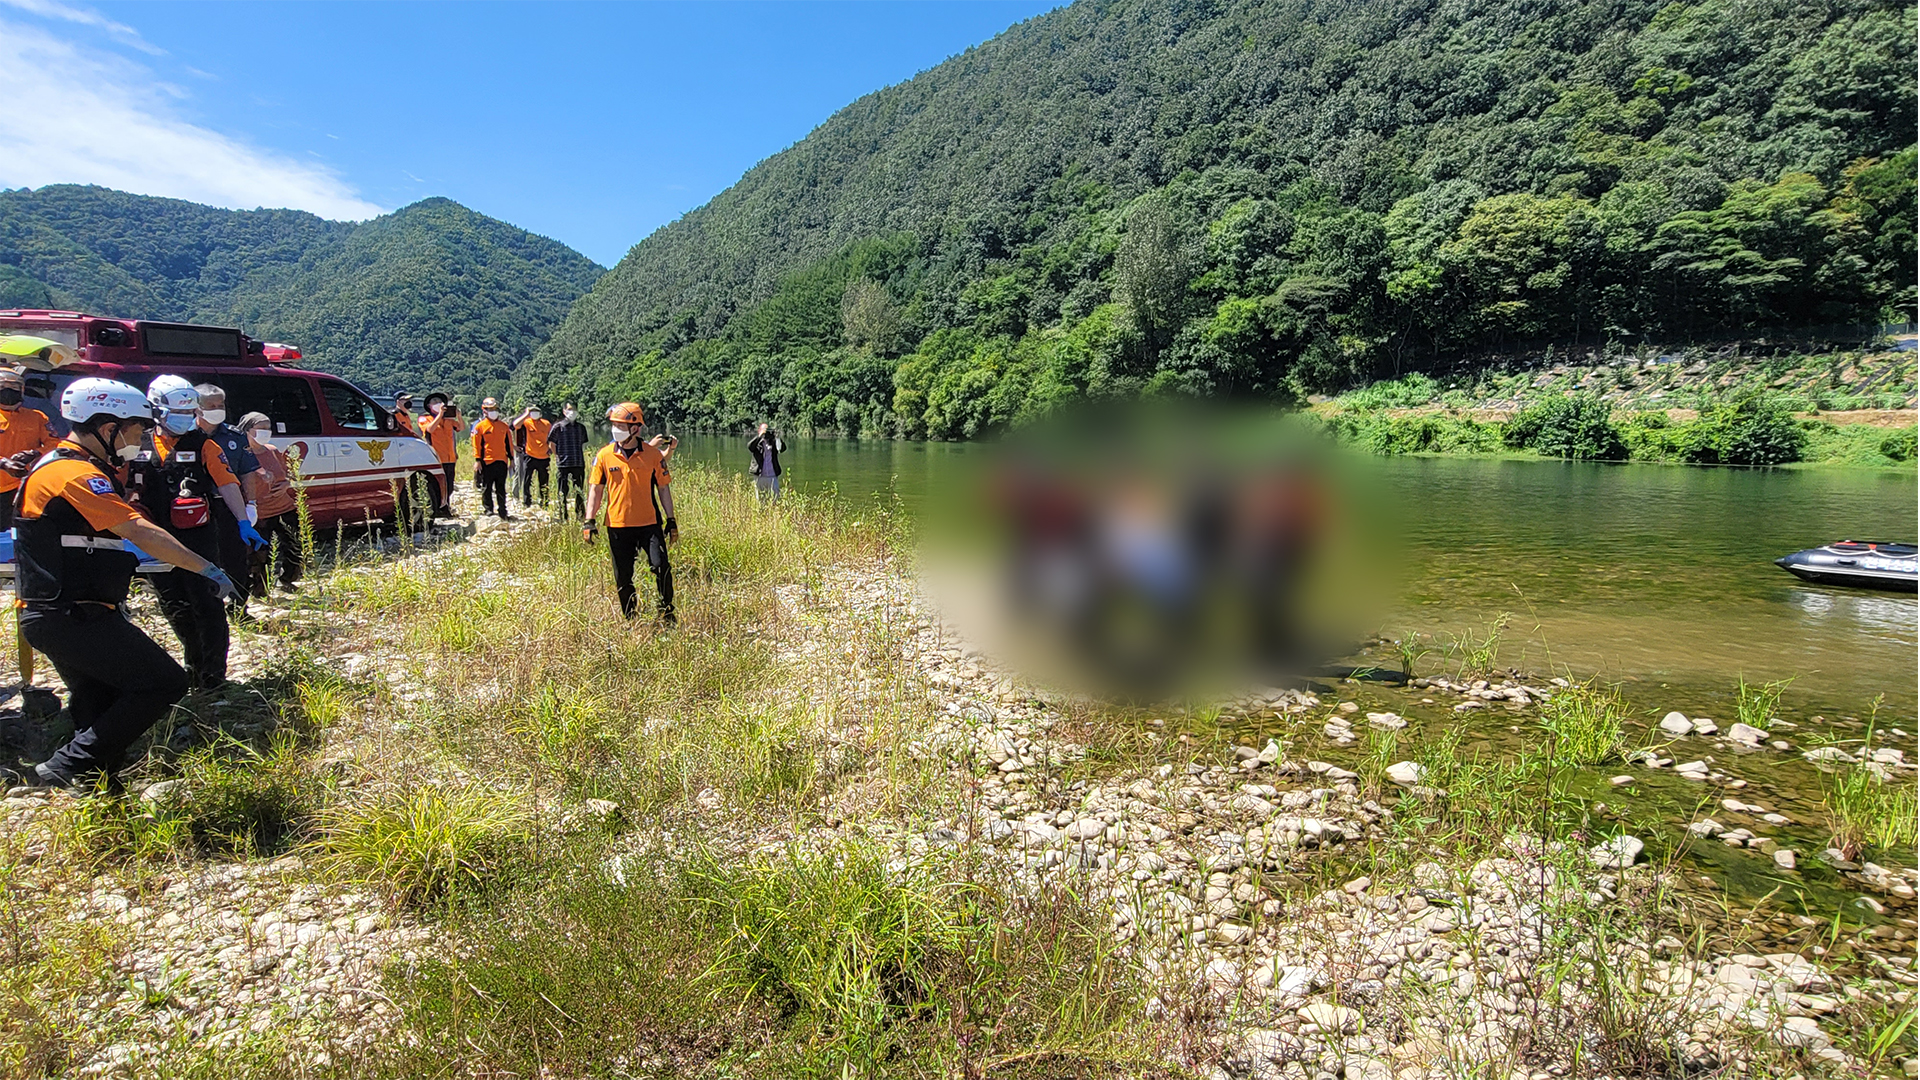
{"x": 1292, "y": 909}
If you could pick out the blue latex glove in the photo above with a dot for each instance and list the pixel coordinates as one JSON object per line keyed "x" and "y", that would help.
{"x": 252, "y": 536}
{"x": 135, "y": 552}
{"x": 222, "y": 584}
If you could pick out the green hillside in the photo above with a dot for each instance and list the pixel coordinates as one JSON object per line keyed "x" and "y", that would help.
{"x": 1273, "y": 198}
{"x": 430, "y": 295}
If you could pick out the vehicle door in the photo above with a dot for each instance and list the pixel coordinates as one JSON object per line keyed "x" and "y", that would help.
{"x": 357, "y": 445}
{"x": 288, "y": 401}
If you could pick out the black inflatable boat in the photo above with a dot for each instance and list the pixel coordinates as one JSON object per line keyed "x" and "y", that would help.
{"x": 1864, "y": 564}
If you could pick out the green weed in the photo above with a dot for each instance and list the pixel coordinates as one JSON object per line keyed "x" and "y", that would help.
{"x": 1585, "y": 722}
{"x": 1756, "y": 704}
{"x": 428, "y": 841}
{"x": 1477, "y": 654}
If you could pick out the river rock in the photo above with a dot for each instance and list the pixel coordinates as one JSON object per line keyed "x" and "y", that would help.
{"x": 1676, "y": 723}
{"x": 1784, "y": 859}
{"x": 1617, "y": 853}
{"x": 1704, "y": 726}
{"x": 1831, "y": 755}
{"x": 1406, "y": 773}
{"x": 1387, "y": 720}
{"x": 1330, "y": 1017}
{"x": 1747, "y": 734}
{"x": 1706, "y": 827}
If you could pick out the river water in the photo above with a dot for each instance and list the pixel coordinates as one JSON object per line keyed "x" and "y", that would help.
{"x": 1657, "y": 577}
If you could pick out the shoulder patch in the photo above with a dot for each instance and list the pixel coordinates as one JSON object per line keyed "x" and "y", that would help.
{"x": 186, "y": 455}
{"x": 99, "y": 485}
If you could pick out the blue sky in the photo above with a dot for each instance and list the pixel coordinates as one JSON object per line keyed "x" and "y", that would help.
{"x": 590, "y": 123}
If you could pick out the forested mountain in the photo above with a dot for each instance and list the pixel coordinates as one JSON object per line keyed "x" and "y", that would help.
{"x": 1272, "y": 197}
{"x": 432, "y": 295}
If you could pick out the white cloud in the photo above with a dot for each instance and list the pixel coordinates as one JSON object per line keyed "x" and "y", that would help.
{"x": 86, "y": 117}
{"x": 53, "y": 9}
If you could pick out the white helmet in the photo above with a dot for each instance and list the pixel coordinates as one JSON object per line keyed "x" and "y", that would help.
{"x": 173, "y": 394}
{"x": 84, "y": 399}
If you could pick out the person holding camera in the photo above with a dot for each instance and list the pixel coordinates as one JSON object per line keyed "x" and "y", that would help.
{"x": 626, "y": 477}
{"x": 763, "y": 454}
{"x": 440, "y": 427}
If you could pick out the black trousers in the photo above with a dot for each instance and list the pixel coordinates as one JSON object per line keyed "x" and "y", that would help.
{"x": 282, "y": 556}
{"x": 6, "y": 509}
{"x": 193, "y": 609}
{"x": 574, "y": 478}
{"x": 529, "y": 468}
{"x": 119, "y": 682}
{"x": 234, "y": 556}
{"x": 446, "y": 503}
{"x": 625, "y": 545}
{"x": 493, "y": 487}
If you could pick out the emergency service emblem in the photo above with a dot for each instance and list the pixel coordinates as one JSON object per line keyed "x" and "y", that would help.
{"x": 376, "y": 450}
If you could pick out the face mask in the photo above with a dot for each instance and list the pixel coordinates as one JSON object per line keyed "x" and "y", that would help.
{"x": 437, "y": 408}
{"x": 622, "y": 434}
{"x": 178, "y": 423}
{"x": 493, "y": 414}
{"x": 125, "y": 453}
{"x": 10, "y": 397}
{"x": 568, "y": 414}
{"x": 215, "y": 417}
{"x": 534, "y": 415}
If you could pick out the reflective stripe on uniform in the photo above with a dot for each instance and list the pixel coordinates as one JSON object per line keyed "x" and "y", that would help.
{"x": 93, "y": 543}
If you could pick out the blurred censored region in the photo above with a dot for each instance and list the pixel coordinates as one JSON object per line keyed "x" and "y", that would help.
{"x": 1149, "y": 551}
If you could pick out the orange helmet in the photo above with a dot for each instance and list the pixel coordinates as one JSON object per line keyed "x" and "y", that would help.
{"x": 626, "y": 413}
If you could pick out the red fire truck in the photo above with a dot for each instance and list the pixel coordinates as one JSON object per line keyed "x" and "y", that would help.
{"x": 354, "y": 457}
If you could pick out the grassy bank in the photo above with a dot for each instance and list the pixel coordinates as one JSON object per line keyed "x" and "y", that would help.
{"x": 460, "y": 819}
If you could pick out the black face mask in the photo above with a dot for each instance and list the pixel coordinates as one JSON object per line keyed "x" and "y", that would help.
{"x": 9, "y": 396}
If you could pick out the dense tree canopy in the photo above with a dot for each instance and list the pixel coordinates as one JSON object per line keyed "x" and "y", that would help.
{"x": 430, "y": 295}
{"x": 1271, "y": 197}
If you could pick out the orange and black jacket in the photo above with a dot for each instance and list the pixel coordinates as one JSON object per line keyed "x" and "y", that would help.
{"x": 64, "y": 514}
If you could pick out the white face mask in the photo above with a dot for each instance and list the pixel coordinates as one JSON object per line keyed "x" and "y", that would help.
{"x": 568, "y": 414}
{"x": 622, "y": 434}
{"x": 493, "y": 414}
{"x": 534, "y": 415}
{"x": 437, "y": 407}
{"x": 214, "y": 416}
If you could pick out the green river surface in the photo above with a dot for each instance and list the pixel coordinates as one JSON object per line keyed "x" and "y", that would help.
{"x": 1656, "y": 578}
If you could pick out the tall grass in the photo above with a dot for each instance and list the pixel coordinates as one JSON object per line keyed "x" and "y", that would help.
{"x": 1585, "y": 720}
{"x": 1756, "y": 703}
{"x": 427, "y": 842}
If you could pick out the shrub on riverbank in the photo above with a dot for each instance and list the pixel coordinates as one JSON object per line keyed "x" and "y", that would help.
{"x": 1579, "y": 426}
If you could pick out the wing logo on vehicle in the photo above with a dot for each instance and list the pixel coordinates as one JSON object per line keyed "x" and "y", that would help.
{"x": 376, "y": 450}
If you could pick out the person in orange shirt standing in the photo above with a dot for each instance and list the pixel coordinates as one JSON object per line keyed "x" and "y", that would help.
{"x": 625, "y": 477}
{"x": 532, "y": 429}
{"x": 24, "y": 438}
{"x": 493, "y": 456}
{"x": 440, "y": 427}
{"x": 403, "y": 414}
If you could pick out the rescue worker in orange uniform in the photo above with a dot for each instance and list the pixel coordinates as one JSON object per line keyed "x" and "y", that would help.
{"x": 403, "y": 414}
{"x": 625, "y": 477}
{"x": 175, "y": 483}
{"x": 440, "y": 427}
{"x": 76, "y": 551}
{"x": 24, "y": 437}
{"x": 493, "y": 458}
{"x": 530, "y": 432}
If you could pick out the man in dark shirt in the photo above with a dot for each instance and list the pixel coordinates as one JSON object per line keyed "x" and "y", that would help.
{"x": 235, "y": 557}
{"x": 567, "y": 440}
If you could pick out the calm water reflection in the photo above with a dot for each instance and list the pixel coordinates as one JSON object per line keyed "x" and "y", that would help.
{"x": 1659, "y": 577}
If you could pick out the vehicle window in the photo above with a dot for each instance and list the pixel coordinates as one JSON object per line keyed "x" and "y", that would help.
{"x": 287, "y": 400}
{"x": 353, "y": 410}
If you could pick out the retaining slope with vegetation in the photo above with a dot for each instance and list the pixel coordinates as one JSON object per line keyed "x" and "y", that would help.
{"x": 460, "y": 819}
{"x": 1835, "y": 408}
{"x": 1275, "y": 198}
